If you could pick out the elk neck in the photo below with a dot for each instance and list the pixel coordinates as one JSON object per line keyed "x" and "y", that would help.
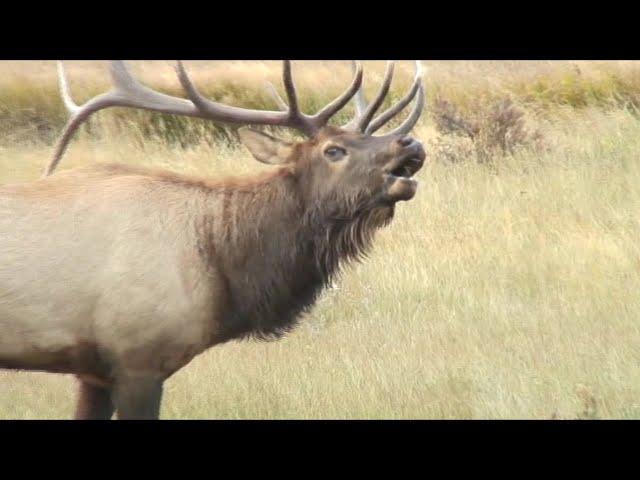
{"x": 275, "y": 250}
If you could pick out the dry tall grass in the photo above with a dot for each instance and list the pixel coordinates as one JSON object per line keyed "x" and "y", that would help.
{"x": 30, "y": 108}
{"x": 503, "y": 290}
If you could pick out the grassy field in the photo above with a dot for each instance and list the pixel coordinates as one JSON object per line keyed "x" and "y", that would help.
{"x": 506, "y": 289}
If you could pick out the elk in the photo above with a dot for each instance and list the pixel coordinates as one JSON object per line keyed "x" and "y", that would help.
{"x": 121, "y": 275}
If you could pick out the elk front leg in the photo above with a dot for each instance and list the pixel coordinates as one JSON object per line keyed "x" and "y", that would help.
{"x": 94, "y": 402}
{"x": 138, "y": 397}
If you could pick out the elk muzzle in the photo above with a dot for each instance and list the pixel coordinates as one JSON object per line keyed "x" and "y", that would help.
{"x": 398, "y": 182}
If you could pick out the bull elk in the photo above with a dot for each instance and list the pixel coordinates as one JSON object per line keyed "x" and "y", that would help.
{"x": 121, "y": 275}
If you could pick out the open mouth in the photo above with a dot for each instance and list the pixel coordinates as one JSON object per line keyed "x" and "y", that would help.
{"x": 407, "y": 166}
{"x": 399, "y": 184}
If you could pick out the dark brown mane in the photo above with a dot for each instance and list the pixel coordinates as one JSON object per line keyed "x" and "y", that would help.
{"x": 276, "y": 253}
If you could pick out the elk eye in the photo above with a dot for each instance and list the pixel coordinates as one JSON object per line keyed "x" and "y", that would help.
{"x": 335, "y": 153}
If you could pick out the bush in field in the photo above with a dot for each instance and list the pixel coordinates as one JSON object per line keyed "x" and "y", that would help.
{"x": 488, "y": 132}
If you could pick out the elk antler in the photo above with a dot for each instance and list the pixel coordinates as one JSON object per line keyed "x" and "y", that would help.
{"x": 292, "y": 117}
{"x": 129, "y": 92}
{"x": 362, "y": 120}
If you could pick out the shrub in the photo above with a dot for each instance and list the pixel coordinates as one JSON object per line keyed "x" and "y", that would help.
{"x": 490, "y": 131}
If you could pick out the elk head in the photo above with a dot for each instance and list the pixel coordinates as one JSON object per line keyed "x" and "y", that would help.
{"x": 348, "y": 162}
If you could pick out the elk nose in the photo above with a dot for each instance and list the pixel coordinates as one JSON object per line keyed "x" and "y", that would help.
{"x": 406, "y": 141}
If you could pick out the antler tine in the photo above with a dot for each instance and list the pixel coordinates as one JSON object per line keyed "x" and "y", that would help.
{"x": 359, "y": 101}
{"x": 333, "y": 107}
{"x": 323, "y": 116}
{"x": 288, "y": 116}
{"x": 69, "y": 104}
{"x": 282, "y": 105}
{"x": 375, "y": 105}
{"x": 127, "y": 92}
{"x": 225, "y": 113}
{"x": 392, "y": 111}
{"x": 413, "y": 117}
{"x": 80, "y": 115}
{"x": 290, "y": 88}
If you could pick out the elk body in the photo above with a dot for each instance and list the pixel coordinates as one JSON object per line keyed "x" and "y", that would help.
{"x": 121, "y": 275}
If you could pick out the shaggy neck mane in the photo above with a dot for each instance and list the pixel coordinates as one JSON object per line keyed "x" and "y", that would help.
{"x": 275, "y": 252}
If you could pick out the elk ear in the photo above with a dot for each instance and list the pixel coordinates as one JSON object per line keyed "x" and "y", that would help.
{"x": 265, "y": 148}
